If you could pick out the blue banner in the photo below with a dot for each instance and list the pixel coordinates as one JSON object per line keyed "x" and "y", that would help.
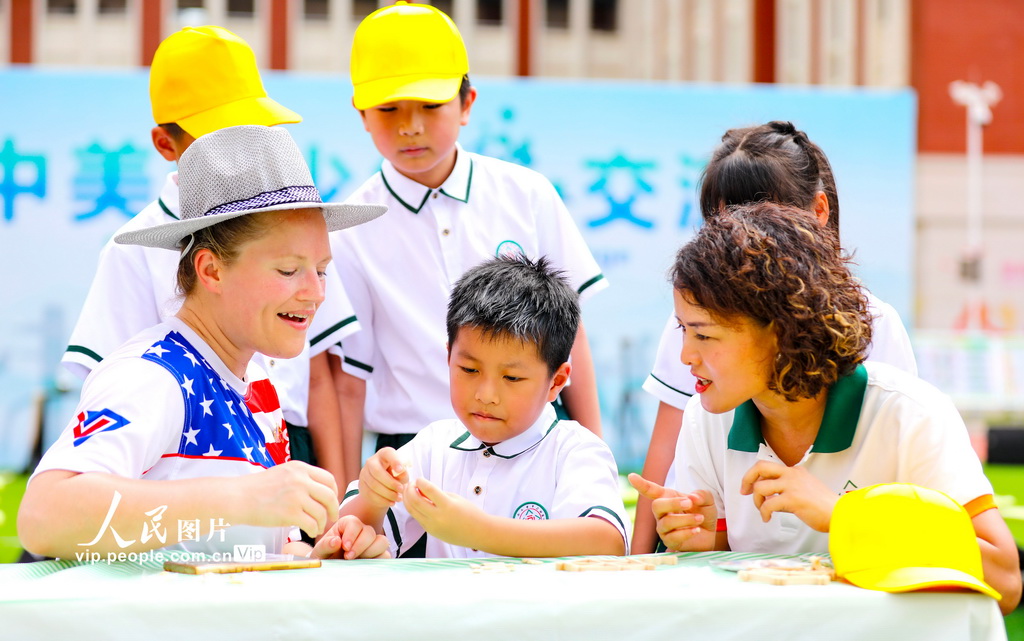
{"x": 76, "y": 162}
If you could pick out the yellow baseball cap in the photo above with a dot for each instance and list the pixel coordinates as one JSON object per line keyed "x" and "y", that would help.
{"x": 899, "y": 537}
{"x": 407, "y": 52}
{"x": 205, "y": 79}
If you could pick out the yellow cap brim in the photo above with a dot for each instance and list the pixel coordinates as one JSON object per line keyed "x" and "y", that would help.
{"x": 248, "y": 111}
{"x": 909, "y": 579}
{"x": 425, "y": 89}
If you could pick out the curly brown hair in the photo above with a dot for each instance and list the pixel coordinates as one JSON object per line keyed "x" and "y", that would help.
{"x": 777, "y": 266}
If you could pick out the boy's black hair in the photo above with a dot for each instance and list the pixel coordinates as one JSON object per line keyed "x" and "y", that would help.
{"x": 464, "y": 89}
{"x": 173, "y": 130}
{"x": 515, "y": 297}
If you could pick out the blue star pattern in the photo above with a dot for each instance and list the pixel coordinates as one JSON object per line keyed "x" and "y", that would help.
{"x": 218, "y": 424}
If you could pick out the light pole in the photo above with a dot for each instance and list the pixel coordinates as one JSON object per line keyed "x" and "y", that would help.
{"x": 979, "y": 101}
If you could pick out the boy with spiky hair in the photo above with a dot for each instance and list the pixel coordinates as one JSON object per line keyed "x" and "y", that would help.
{"x": 506, "y": 477}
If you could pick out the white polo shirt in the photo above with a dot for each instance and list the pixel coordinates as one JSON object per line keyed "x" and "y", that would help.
{"x": 399, "y": 271}
{"x": 135, "y": 288}
{"x": 556, "y": 469}
{"x": 671, "y": 383}
{"x": 881, "y": 425}
{"x": 165, "y": 407}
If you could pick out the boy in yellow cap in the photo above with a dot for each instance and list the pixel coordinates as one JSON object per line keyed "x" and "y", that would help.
{"x": 204, "y": 79}
{"x": 449, "y": 210}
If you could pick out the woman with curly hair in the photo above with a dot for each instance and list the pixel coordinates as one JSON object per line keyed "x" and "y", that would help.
{"x": 771, "y": 162}
{"x": 788, "y": 416}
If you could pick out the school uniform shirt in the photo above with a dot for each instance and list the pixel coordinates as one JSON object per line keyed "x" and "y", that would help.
{"x": 671, "y": 382}
{"x": 135, "y": 288}
{"x": 556, "y": 469}
{"x": 165, "y": 407}
{"x": 881, "y": 425}
{"x": 399, "y": 270}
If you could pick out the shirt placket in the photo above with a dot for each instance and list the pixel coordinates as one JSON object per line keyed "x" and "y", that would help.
{"x": 478, "y": 484}
{"x": 446, "y": 239}
{"x": 789, "y": 524}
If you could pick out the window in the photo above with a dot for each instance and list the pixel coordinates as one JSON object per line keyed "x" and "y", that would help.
{"x": 556, "y": 14}
{"x": 489, "y": 12}
{"x": 363, "y": 8}
{"x": 604, "y": 15}
{"x": 113, "y": 6}
{"x": 241, "y": 8}
{"x": 315, "y": 9}
{"x": 443, "y": 5}
{"x": 61, "y": 6}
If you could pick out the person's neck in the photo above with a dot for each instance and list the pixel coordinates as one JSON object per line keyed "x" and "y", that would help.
{"x": 194, "y": 314}
{"x": 790, "y": 427}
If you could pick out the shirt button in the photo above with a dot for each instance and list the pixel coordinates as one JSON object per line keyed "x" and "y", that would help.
{"x": 477, "y": 489}
{"x": 445, "y": 232}
{"x": 435, "y": 195}
{"x": 273, "y": 363}
{"x": 487, "y": 453}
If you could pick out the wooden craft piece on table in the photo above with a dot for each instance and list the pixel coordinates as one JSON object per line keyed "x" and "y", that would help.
{"x": 614, "y": 564}
{"x": 781, "y": 576}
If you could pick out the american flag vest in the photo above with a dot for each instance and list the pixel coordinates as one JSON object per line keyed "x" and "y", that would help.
{"x": 219, "y": 422}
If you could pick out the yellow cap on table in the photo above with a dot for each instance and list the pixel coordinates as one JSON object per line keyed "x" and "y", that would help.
{"x": 407, "y": 52}
{"x": 898, "y": 537}
{"x": 205, "y": 79}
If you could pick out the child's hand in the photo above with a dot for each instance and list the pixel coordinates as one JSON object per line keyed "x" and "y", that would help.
{"x": 778, "y": 488}
{"x": 290, "y": 494}
{"x": 448, "y": 517}
{"x": 382, "y": 480}
{"x": 686, "y": 522}
{"x": 350, "y": 538}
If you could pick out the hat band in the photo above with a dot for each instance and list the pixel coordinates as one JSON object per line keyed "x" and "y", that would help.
{"x": 296, "y": 194}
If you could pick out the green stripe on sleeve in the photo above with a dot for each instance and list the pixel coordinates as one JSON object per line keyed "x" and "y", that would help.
{"x": 84, "y": 350}
{"x": 590, "y": 282}
{"x": 333, "y": 328}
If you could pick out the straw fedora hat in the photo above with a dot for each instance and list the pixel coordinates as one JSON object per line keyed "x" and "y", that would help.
{"x": 243, "y": 170}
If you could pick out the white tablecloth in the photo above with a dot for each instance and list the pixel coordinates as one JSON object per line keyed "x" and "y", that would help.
{"x": 446, "y": 600}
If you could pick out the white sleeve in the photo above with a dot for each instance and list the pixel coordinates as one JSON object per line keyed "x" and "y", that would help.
{"x": 335, "y": 319}
{"x": 935, "y": 451}
{"x": 560, "y": 240}
{"x": 120, "y": 304}
{"x": 588, "y": 485}
{"x": 670, "y": 381}
{"x": 694, "y": 465}
{"x": 400, "y": 529}
{"x": 130, "y": 414}
{"x": 357, "y": 350}
{"x": 890, "y": 342}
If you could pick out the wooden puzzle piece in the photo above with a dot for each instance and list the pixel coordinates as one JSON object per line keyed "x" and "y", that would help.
{"x": 614, "y": 564}
{"x": 782, "y": 576}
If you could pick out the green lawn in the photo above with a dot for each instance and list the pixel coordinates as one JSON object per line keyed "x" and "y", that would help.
{"x": 12, "y": 486}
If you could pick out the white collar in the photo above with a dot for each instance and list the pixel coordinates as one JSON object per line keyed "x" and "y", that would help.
{"x": 413, "y": 195}
{"x": 168, "y": 199}
{"x": 516, "y": 445}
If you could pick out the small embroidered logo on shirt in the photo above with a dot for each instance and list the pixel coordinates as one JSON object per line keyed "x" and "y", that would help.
{"x": 509, "y": 249}
{"x": 531, "y": 512}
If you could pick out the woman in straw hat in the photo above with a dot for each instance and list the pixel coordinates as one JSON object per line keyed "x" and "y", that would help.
{"x": 788, "y": 416}
{"x": 177, "y": 440}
